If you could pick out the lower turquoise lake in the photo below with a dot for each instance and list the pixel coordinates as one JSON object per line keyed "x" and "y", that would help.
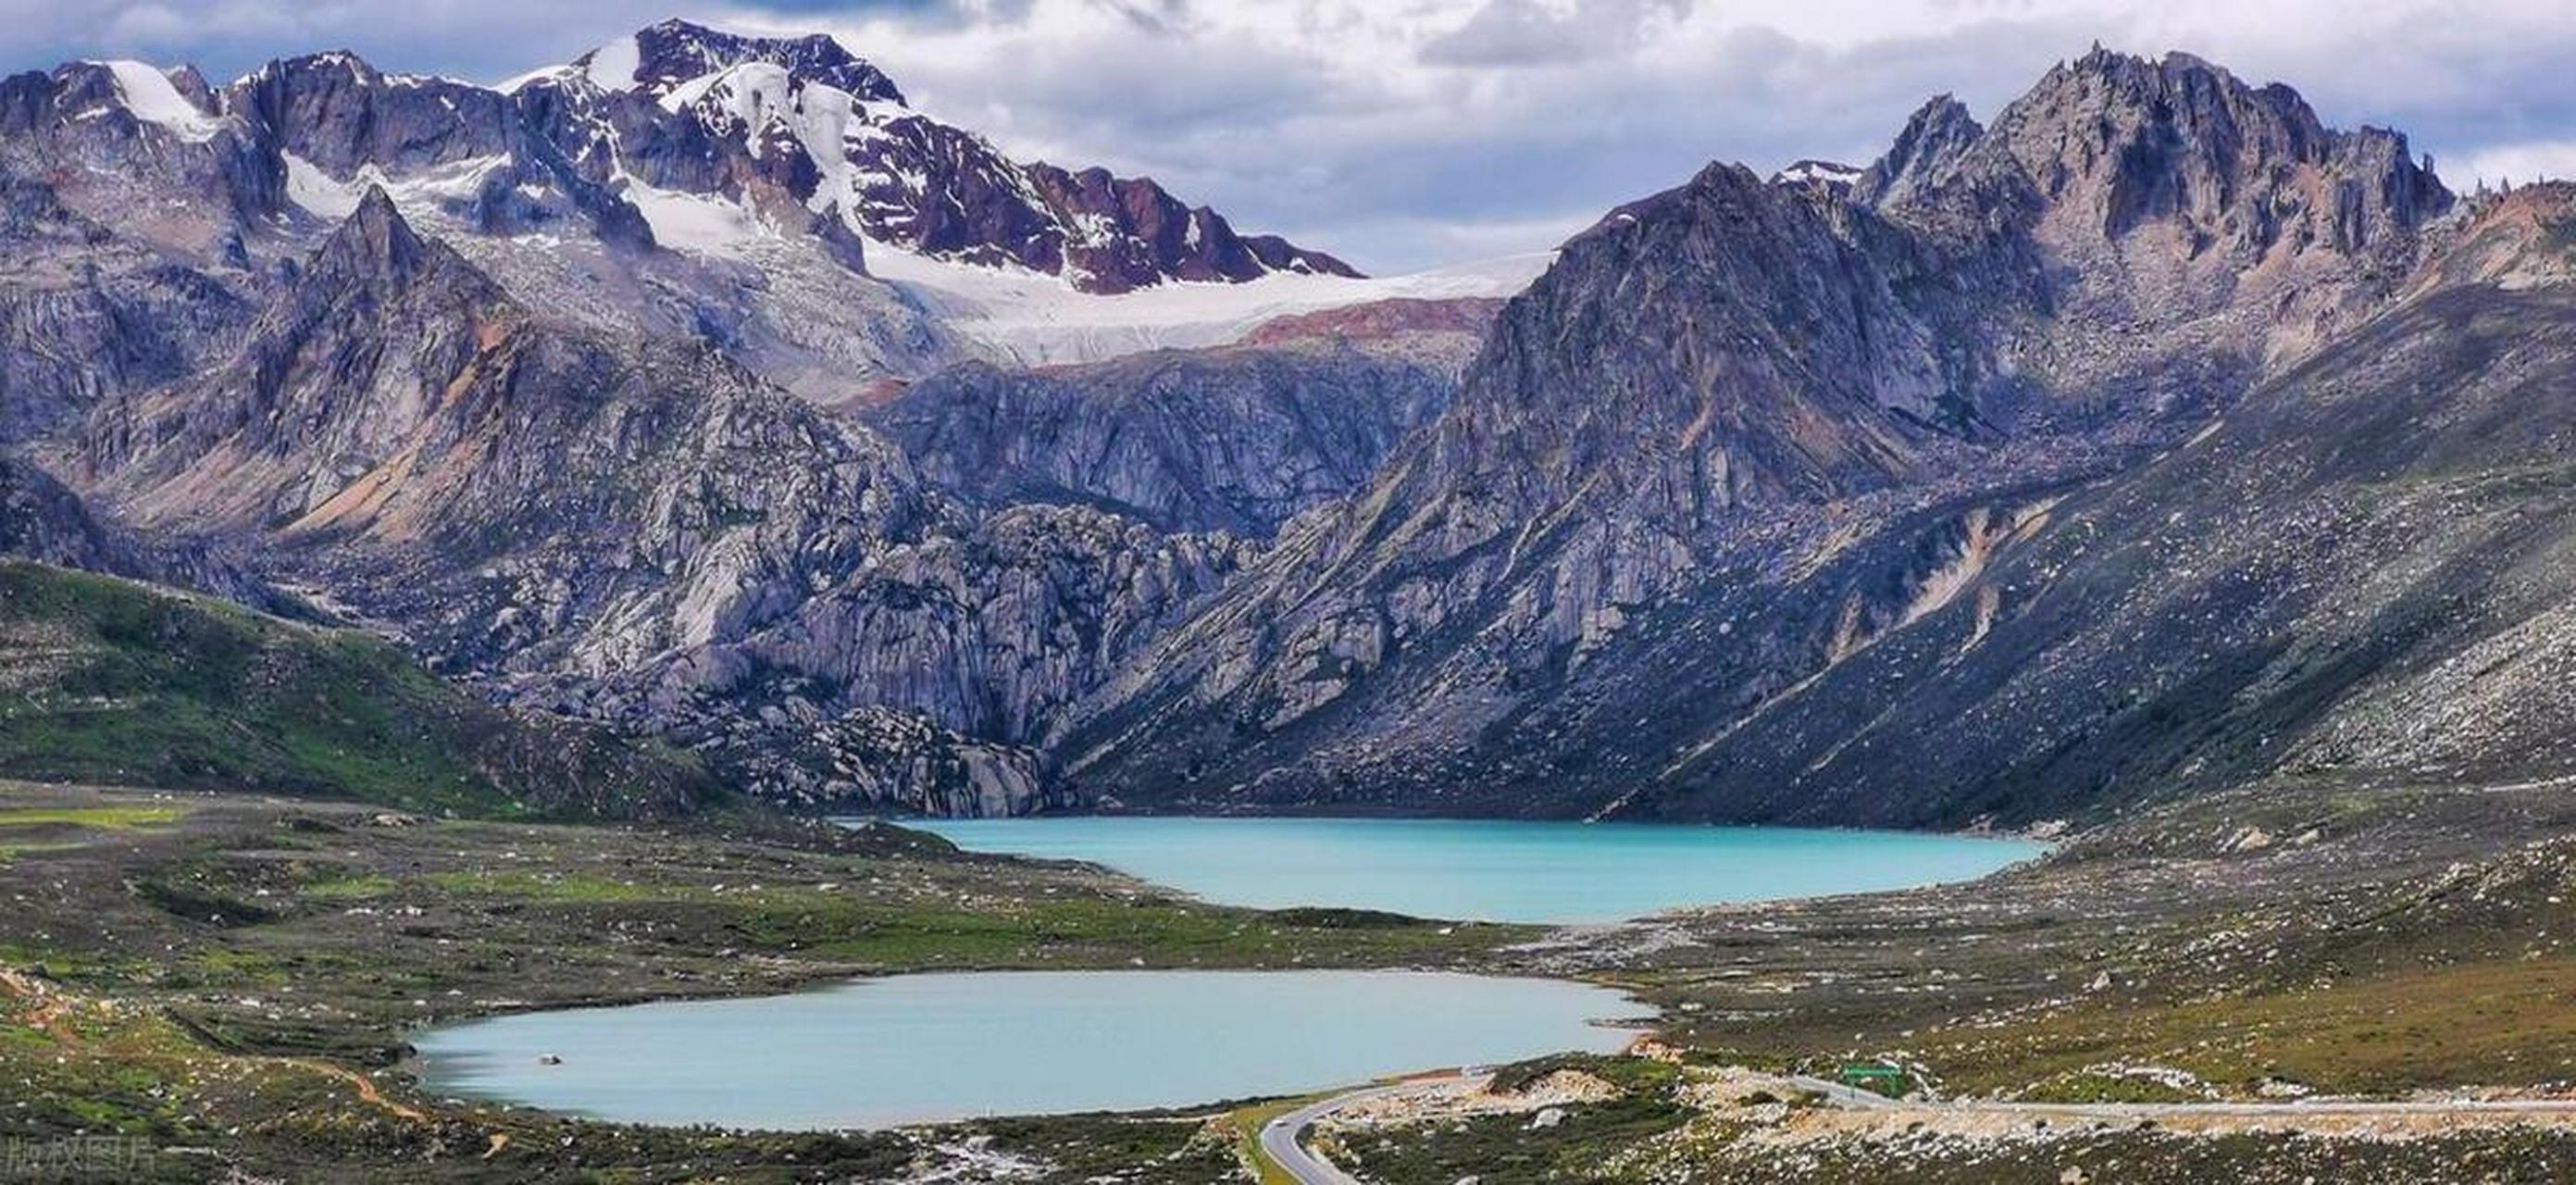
{"x": 1490, "y": 870}
{"x": 923, "y": 1048}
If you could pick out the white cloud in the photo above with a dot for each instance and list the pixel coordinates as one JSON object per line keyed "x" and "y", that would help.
{"x": 2539, "y": 160}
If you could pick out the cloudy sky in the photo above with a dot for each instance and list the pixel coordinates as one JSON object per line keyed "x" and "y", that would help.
{"x": 1408, "y": 133}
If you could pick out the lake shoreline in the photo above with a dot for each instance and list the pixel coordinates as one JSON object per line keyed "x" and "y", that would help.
{"x": 1550, "y": 873}
{"x": 1248, "y": 1034}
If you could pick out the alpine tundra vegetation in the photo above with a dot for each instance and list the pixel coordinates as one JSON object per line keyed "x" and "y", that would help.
{"x": 471, "y": 549}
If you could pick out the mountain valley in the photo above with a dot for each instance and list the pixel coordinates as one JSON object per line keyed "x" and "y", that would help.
{"x": 461, "y": 546}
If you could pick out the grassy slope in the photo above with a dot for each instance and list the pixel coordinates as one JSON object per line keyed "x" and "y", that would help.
{"x": 110, "y": 681}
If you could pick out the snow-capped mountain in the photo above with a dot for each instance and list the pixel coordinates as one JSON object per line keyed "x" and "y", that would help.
{"x": 775, "y": 197}
{"x": 720, "y": 134}
{"x": 678, "y": 135}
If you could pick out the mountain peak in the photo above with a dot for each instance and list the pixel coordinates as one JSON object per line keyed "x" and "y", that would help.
{"x": 2120, "y": 141}
{"x": 1935, "y": 139}
{"x": 374, "y": 240}
{"x": 662, "y": 57}
{"x": 2186, "y": 96}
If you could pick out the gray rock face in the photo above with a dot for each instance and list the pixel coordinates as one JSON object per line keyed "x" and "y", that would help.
{"x": 121, "y": 244}
{"x": 1237, "y": 439}
{"x": 1742, "y": 433}
{"x": 990, "y": 632}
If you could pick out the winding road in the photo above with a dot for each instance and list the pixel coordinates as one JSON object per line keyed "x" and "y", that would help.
{"x": 1280, "y": 1137}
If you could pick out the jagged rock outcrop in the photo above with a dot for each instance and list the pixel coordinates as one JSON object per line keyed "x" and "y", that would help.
{"x": 2169, "y": 231}
{"x": 1236, "y": 440}
{"x": 1927, "y": 157}
{"x": 1743, "y": 434}
{"x": 337, "y": 374}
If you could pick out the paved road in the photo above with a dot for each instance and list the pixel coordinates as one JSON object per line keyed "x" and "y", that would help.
{"x": 1843, "y": 1096}
{"x": 1279, "y": 1136}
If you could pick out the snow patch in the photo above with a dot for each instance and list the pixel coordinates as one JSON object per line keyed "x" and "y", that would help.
{"x": 1829, "y": 172}
{"x": 612, "y": 66}
{"x": 690, "y": 91}
{"x": 151, "y": 96}
{"x": 696, "y": 222}
{"x": 517, "y": 82}
{"x": 1038, "y": 319}
{"x": 308, "y": 186}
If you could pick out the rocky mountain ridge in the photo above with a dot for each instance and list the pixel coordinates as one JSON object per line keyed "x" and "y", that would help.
{"x": 1770, "y": 495}
{"x": 794, "y": 133}
{"x": 1744, "y": 433}
{"x": 705, "y": 185}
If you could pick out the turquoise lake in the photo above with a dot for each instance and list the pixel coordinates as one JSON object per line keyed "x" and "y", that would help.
{"x": 921, "y": 1048}
{"x": 1490, "y": 870}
